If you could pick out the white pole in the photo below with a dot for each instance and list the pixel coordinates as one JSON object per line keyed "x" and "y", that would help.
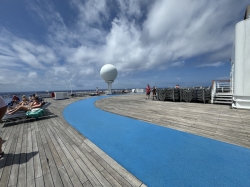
{"x": 70, "y": 86}
{"x": 109, "y": 87}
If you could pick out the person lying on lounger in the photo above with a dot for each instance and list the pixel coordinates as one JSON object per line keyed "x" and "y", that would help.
{"x": 35, "y": 104}
{"x": 15, "y": 100}
{"x": 25, "y": 100}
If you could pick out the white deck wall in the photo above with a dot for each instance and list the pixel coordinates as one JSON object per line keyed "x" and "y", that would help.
{"x": 241, "y": 77}
{"x": 61, "y": 95}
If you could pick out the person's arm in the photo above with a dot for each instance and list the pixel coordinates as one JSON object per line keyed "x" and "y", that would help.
{"x": 37, "y": 105}
{"x": 32, "y": 103}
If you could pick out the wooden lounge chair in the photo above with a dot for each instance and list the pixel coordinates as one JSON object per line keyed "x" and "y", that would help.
{"x": 20, "y": 115}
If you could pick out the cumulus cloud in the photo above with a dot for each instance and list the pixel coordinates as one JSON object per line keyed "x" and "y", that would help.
{"x": 83, "y": 55}
{"x": 17, "y": 51}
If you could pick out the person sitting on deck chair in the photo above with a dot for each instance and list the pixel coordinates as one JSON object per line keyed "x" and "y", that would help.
{"x": 30, "y": 97}
{"x": 25, "y": 100}
{"x": 35, "y": 104}
{"x": 15, "y": 100}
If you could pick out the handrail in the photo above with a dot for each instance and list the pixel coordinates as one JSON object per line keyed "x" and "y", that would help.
{"x": 220, "y": 86}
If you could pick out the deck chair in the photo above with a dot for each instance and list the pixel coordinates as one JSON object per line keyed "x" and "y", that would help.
{"x": 20, "y": 115}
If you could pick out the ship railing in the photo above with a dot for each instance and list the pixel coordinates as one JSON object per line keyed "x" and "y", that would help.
{"x": 220, "y": 86}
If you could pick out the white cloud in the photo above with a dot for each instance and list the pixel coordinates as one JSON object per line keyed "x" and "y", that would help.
{"x": 187, "y": 32}
{"x": 82, "y": 55}
{"x": 214, "y": 64}
{"x": 180, "y": 63}
{"x": 93, "y": 11}
{"x": 60, "y": 70}
{"x": 131, "y": 8}
{"x": 26, "y": 56}
{"x": 86, "y": 71}
{"x": 32, "y": 75}
{"x": 15, "y": 51}
{"x": 123, "y": 47}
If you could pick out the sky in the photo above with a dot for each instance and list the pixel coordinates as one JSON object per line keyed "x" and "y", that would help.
{"x": 48, "y": 44}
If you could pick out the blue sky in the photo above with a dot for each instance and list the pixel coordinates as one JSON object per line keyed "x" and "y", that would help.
{"x": 45, "y": 44}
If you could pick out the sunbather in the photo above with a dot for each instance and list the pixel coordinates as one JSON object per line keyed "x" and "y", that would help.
{"x": 15, "y": 100}
{"x": 25, "y": 101}
{"x": 35, "y": 104}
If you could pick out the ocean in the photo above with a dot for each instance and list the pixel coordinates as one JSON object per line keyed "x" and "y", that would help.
{"x": 7, "y": 96}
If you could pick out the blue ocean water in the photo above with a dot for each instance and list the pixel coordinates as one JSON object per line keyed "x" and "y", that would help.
{"x": 8, "y": 95}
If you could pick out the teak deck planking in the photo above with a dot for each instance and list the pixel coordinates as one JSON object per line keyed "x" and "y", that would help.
{"x": 50, "y": 152}
{"x": 214, "y": 121}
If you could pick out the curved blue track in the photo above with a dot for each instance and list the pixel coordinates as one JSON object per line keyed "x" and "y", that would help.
{"x": 160, "y": 156}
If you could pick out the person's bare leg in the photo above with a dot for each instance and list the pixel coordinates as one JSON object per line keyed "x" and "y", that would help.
{"x": 19, "y": 108}
{"x": 13, "y": 110}
{"x": 10, "y": 109}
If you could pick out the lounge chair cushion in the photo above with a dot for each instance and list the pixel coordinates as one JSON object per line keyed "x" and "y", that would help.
{"x": 35, "y": 113}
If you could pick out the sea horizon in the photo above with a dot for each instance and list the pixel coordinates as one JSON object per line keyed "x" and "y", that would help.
{"x": 28, "y": 93}
{"x": 47, "y": 91}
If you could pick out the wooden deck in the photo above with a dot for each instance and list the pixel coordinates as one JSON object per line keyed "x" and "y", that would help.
{"x": 49, "y": 152}
{"x": 215, "y": 121}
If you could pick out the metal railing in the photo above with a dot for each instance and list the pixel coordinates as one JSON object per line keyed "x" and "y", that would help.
{"x": 220, "y": 86}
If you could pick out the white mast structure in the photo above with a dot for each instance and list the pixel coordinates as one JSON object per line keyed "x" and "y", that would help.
{"x": 241, "y": 65}
{"x": 70, "y": 82}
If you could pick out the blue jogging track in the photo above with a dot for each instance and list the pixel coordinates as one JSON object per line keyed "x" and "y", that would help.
{"x": 160, "y": 156}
